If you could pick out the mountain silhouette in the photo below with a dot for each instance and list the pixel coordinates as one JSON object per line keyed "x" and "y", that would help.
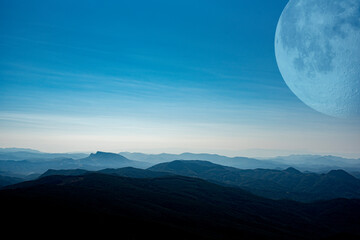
{"x": 276, "y": 184}
{"x": 34, "y": 155}
{"x": 175, "y": 207}
{"x": 105, "y": 159}
{"x": 124, "y": 172}
{"x": 313, "y": 163}
{"x": 97, "y": 161}
{"x": 65, "y": 172}
{"x": 7, "y": 180}
{"x": 238, "y": 162}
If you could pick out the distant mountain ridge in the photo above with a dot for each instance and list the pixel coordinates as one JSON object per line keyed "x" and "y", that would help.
{"x": 239, "y": 162}
{"x": 315, "y": 163}
{"x": 16, "y": 154}
{"x": 18, "y": 162}
{"x": 123, "y": 172}
{"x": 9, "y": 150}
{"x": 106, "y": 159}
{"x": 276, "y": 184}
{"x": 318, "y": 162}
{"x": 97, "y": 161}
{"x": 6, "y": 180}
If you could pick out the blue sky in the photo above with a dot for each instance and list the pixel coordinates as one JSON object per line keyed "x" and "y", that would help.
{"x": 153, "y": 76}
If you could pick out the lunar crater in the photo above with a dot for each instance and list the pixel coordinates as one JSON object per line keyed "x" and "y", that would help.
{"x": 318, "y": 52}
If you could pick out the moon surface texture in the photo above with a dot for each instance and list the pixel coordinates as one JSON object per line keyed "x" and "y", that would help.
{"x": 317, "y": 48}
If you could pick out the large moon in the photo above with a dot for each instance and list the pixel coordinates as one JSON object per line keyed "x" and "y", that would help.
{"x": 317, "y": 48}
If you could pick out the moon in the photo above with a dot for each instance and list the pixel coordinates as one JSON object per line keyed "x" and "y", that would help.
{"x": 317, "y": 48}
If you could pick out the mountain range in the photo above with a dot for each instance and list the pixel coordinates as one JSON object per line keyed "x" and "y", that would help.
{"x": 94, "y": 161}
{"x": 281, "y": 183}
{"x": 107, "y": 194}
{"x": 177, "y": 207}
{"x": 124, "y": 172}
{"x": 34, "y": 155}
{"x": 275, "y": 184}
{"x": 313, "y": 163}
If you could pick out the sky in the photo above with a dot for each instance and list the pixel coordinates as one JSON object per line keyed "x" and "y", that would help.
{"x": 154, "y": 76}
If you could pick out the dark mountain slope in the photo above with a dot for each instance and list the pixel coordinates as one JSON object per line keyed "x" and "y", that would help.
{"x": 134, "y": 172}
{"x": 124, "y": 172}
{"x": 6, "y": 180}
{"x": 275, "y": 184}
{"x": 65, "y": 172}
{"x": 28, "y": 167}
{"x": 166, "y": 208}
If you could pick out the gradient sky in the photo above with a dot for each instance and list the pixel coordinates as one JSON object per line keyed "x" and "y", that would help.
{"x": 154, "y": 76}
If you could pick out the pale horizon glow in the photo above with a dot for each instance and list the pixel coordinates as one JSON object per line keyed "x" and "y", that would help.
{"x": 51, "y": 133}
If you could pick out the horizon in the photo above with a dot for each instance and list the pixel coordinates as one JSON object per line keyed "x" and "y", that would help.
{"x": 275, "y": 153}
{"x": 189, "y": 76}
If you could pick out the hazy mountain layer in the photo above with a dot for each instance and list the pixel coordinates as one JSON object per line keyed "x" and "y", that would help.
{"x": 34, "y": 155}
{"x": 315, "y": 163}
{"x": 99, "y": 160}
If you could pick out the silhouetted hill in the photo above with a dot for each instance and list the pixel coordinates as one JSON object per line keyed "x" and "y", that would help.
{"x": 292, "y": 170}
{"x": 341, "y": 174}
{"x": 318, "y": 163}
{"x": 314, "y": 163}
{"x": 28, "y": 167}
{"x": 124, "y": 172}
{"x": 238, "y": 162}
{"x": 104, "y": 159}
{"x": 97, "y": 161}
{"x": 275, "y": 184}
{"x": 168, "y": 207}
{"x": 315, "y": 159}
{"x": 10, "y": 150}
{"x": 34, "y": 155}
{"x": 67, "y": 172}
{"x": 356, "y": 174}
{"x": 134, "y": 172}
{"x": 6, "y": 180}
